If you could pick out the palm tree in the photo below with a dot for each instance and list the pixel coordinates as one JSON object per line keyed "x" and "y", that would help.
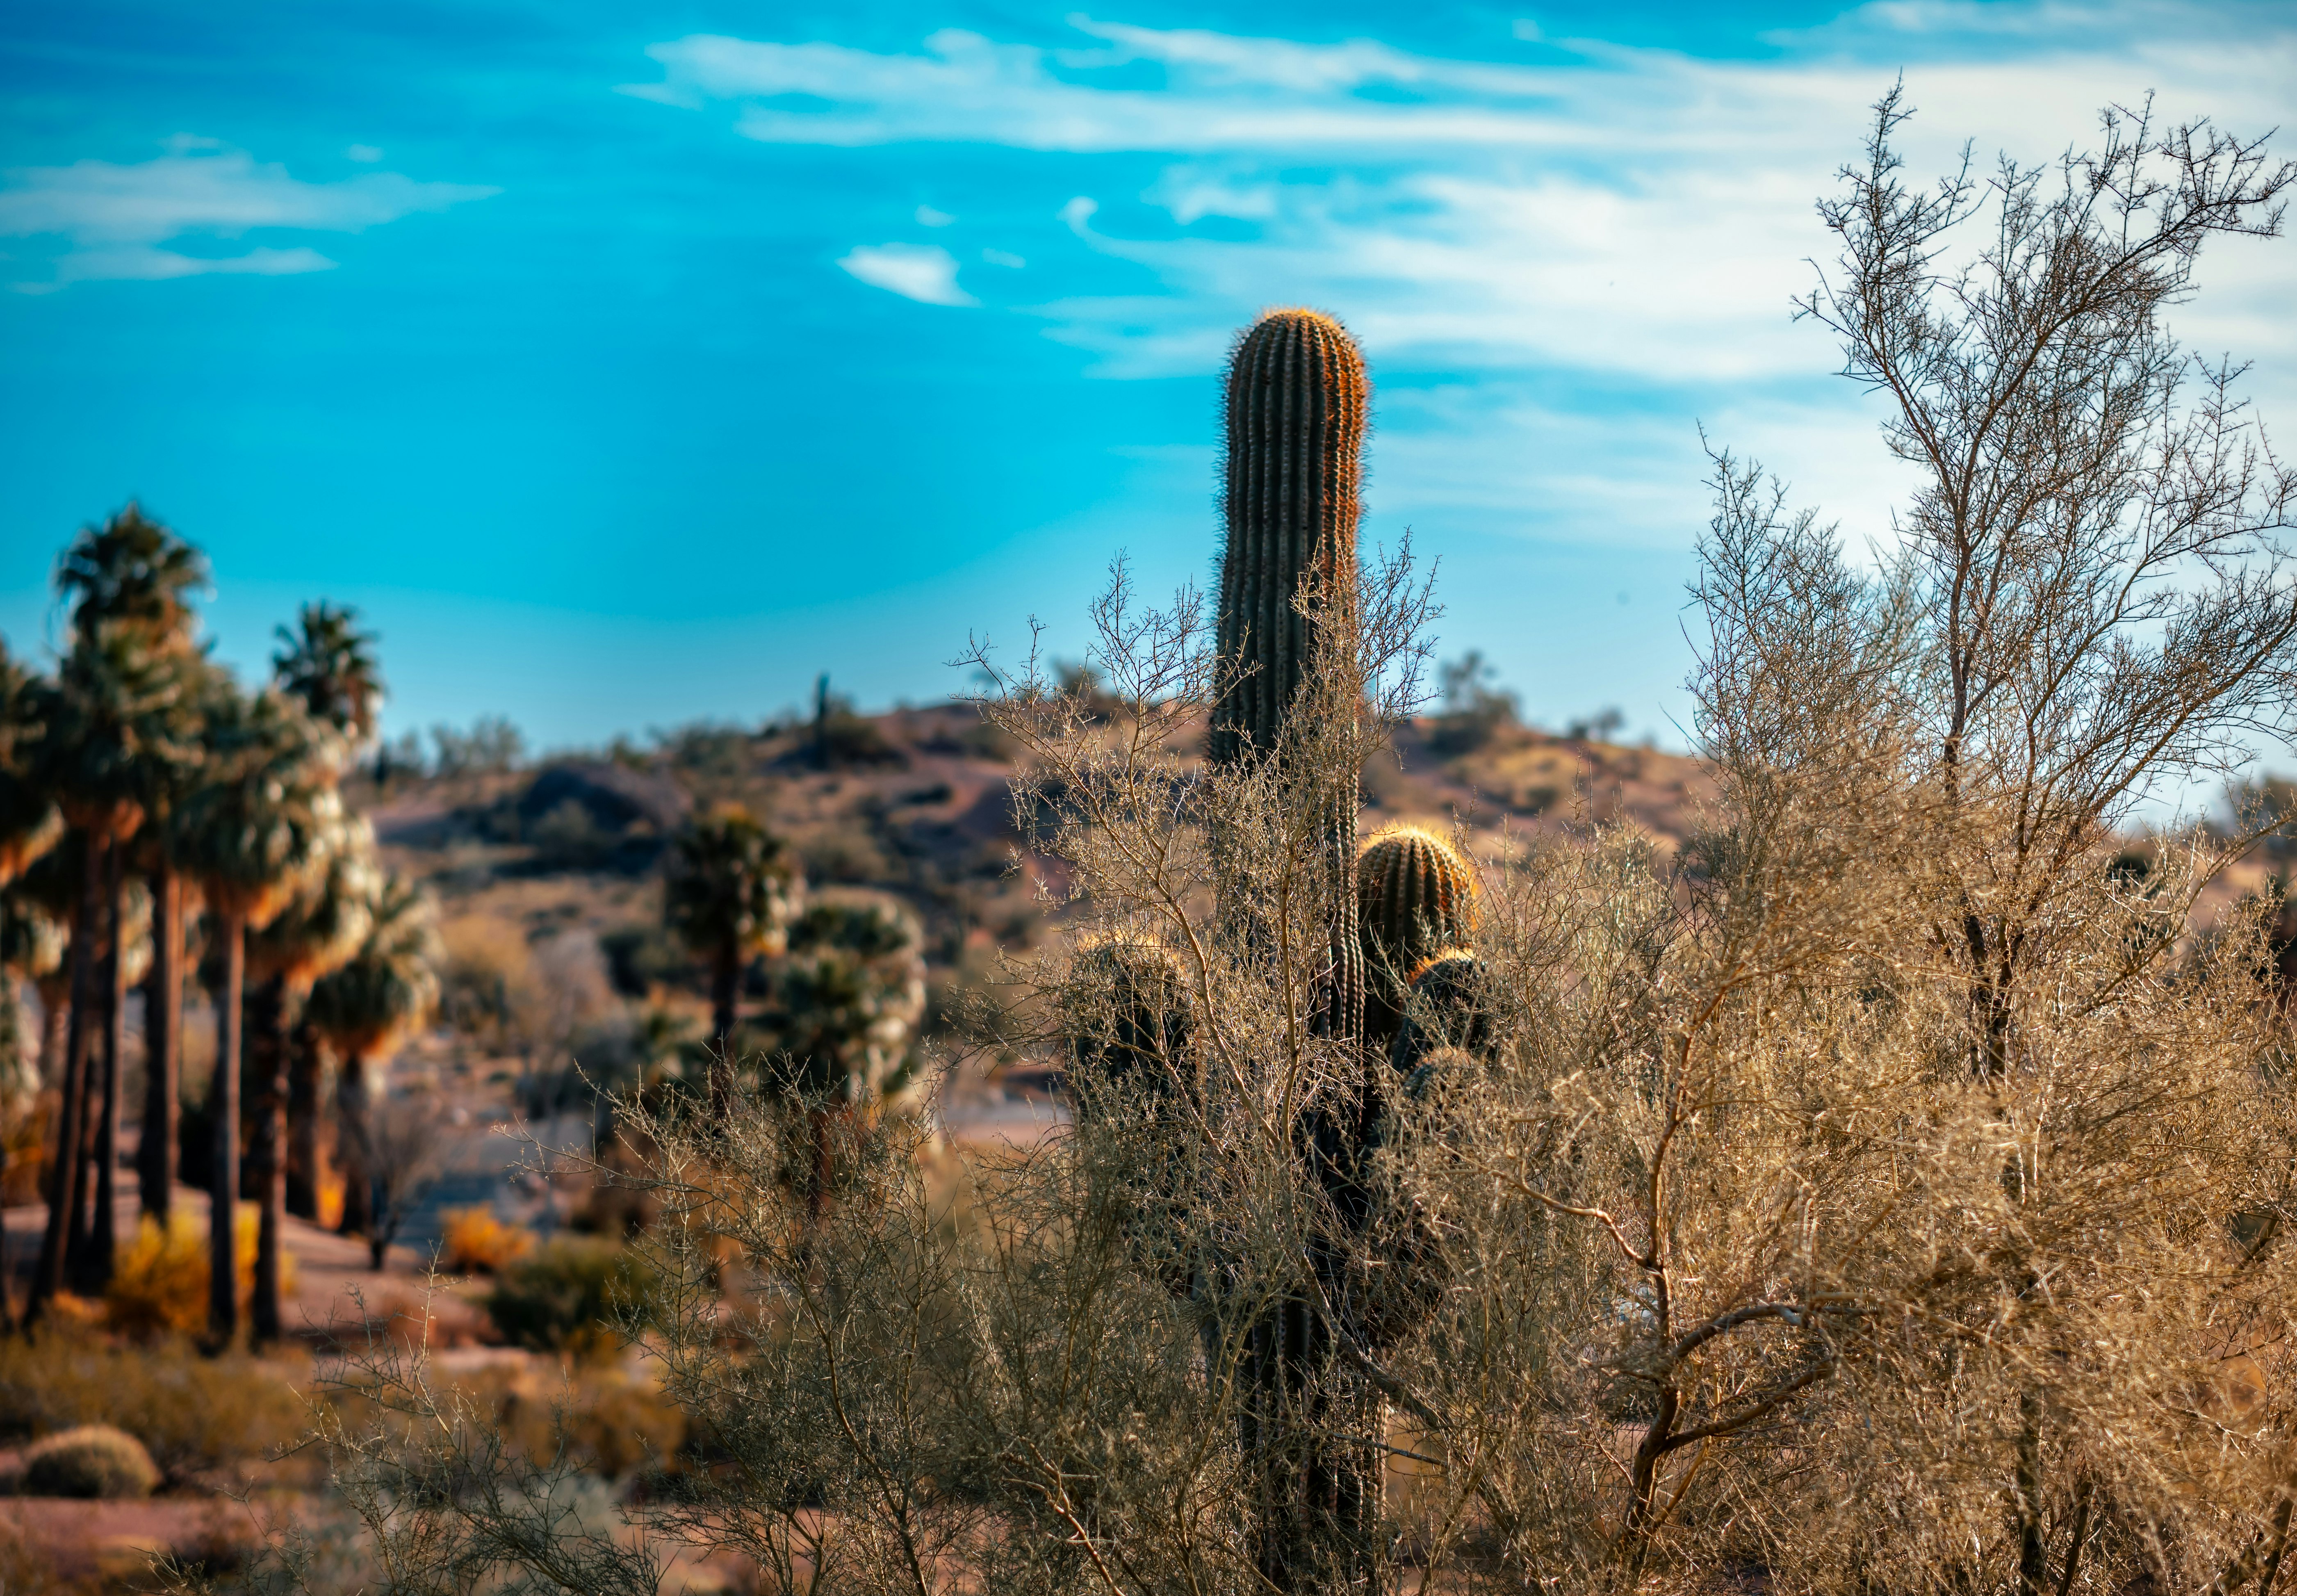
{"x": 29, "y": 825}
{"x": 253, "y": 833}
{"x": 732, "y": 888}
{"x": 847, "y": 1009}
{"x": 317, "y": 934}
{"x": 109, "y": 717}
{"x": 131, "y": 574}
{"x": 114, "y": 727}
{"x": 329, "y": 665}
{"x": 363, "y": 1009}
{"x": 173, "y": 901}
{"x": 29, "y": 822}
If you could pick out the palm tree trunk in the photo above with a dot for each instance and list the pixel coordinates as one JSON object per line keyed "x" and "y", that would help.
{"x": 55, "y": 1011}
{"x": 105, "y": 1243}
{"x": 163, "y": 1047}
{"x": 268, "y": 1155}
{"x": 350, "y": 1145}
{"x": 223, "y": 1101}
{"x": 71, "y": 1114}
{"x": 726, "y": 980}
{"x": 304, "y": 1068}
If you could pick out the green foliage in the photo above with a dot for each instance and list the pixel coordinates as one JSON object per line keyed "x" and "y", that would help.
{"x": 256, "y": 826}
{"x": 575, "y": 1295}
{"x": 391, "y": 984}
{"x": 131, "y": 574}
{"x": 603, "y": 1420}
{"x": 492, "y": 746}
{"x": 641, "y": 957}
{"x": 848, "y": 999}
{"x": 120, "y": 719}
{"x": 192, "y": 1414}
{"x": 1475, "y": 711}
{"x": 30, "y": 820}
{"x": 328, "y": 665}
{"x": 325, "y": 923}
{"x": 733, "y": 884}
{"x": 112, "y": 717}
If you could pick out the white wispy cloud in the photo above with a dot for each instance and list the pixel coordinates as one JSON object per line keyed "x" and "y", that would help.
{"x": 1627, "y": 209}
{"x": 924, "y": 273}
{"x": 114, "y": 217}
{"x": 1629, "y": 223}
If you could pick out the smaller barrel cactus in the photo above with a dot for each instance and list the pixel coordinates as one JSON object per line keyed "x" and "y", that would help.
{"x": 1445, "y": 1009}
{"x": 1415, "y": 899}
{"x": 91, "y": 1460}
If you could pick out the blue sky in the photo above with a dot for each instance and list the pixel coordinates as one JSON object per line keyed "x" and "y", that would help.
{"x": 627, "y": 367}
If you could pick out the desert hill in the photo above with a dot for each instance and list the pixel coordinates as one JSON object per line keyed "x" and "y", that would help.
{"x": 537, "y": 866}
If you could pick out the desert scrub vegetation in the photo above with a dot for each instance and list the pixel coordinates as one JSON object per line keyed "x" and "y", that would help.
{"x": 195, "y": 1416}
{"x": 1884, "y": 1192}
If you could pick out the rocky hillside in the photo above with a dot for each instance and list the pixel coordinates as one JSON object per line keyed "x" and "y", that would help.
{"x": 915, "y": 804}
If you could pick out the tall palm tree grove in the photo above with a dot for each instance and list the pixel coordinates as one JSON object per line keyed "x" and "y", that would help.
{"x": 173, "y": 901}
{"x": 253, "y": 832}
{"x": 115, "y": 720}
{"x": 109, "y": 717}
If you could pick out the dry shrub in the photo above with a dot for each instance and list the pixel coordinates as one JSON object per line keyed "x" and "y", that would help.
{"x": 474, "y": 1241}
{"x": 159, "y": 1279}
{"x": 606, "y": 1422}
{"x": 26, "y": 1569}
{"x": 330, "y": 1194}
{"x": 192, "y": 1414}
{"x": 573, "y": 1296}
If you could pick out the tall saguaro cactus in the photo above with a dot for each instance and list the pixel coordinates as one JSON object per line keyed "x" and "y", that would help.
{"x": 1298, "y": 401}
{"x": 1297, "y": 404}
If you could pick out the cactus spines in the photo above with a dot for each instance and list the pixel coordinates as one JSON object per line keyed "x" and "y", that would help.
{"x": 1297, "y": 399}
{"x": 1286, "y": 619}
{"x": 1415, "y": 897}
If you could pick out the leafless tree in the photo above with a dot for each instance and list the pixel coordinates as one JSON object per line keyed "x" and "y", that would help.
{"x": 405, "y": 1146}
